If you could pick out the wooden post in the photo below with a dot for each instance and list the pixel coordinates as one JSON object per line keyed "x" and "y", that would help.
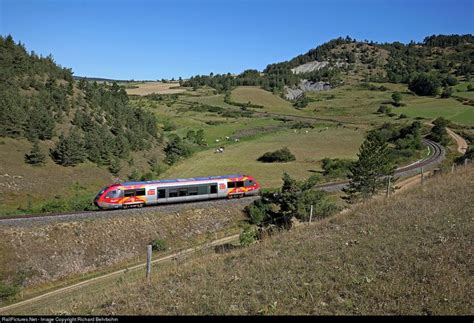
{"x": 148, "y": 262}
{"x": 422, "y": 175}
{"x": 465, "y": 162}
{"x": 311, "y": 213}
{"x": 452, "y": 168}
{"x": 388, "y": 187}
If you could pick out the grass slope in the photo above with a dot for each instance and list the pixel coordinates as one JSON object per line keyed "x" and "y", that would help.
{"x": 408, "y": 255}
{"x": 309, "y": 148}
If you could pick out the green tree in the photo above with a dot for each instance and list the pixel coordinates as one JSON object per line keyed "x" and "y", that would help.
{"x": 396, "y": 97}
{"x": 115, "y": 166}
{"x": 438, "y": 132}
{"x": 36, "y": 157}
{"x": 368, "y": 174}
{"x": 424, "y": 84}
{"x": 69, "y": 151}
{"x": 447, "y": 92}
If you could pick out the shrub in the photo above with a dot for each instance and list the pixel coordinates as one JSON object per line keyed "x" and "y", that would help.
{"x": 336, "y": 167}
{"x": 470, "y": 88}
{"x": 248, "y": 236}
{"x": 447, "y": 91}
{"x": 301, "y": 125}
{"x": 158, "y": 245}
{"x": 402, "y": 116}
{"x": 7, "y": 291}
{"x": 384, "y": 109}
{"x": 391, "y": 114}
{"x": 424, "y": 84}
{"x": 256, "y": 212}
{"x": 56, "y": 205}
{"x": 279, "y": 156}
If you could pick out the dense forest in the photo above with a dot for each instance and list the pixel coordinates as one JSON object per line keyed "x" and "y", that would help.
{"x": 438, "y": 57}
{"x": 40, "y": 100}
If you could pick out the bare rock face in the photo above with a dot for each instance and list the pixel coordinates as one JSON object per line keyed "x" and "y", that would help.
{"x": 309, "y": 67}
{"x": 305, "y": 86}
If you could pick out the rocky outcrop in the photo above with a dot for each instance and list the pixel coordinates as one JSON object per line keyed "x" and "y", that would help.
{"x": 305, "y": 86}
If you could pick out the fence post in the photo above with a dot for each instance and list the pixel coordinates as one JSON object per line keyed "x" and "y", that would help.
{"x": 422, "y": 175}
{"x": 388, "y": 186}
{"x": 465, "y": 162}
{"x": 452, "y": 168}
{"x": 148, "y": 262}
{"x": 311, "y": 213}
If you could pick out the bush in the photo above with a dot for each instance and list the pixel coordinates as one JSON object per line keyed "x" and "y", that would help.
{"x": 447, "y": 92}
{"x": 384, "y": 109}
{"x": 279, "y": 156}
{"x": 336, "y": 167}
{"x": 56, "y": 205}
{"x": 158, "y": 245}
{"x": 424, "y": 84}
{"x": 256, "y": 212}
{"x": 301, "y": 125}
{"x": 402, "y": 116}
{"x": 391, "y": 114}
{"x": 248, "y": 236}
{"x": 7, "y": 291}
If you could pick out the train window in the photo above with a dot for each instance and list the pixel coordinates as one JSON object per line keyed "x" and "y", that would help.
{"x": 239, "y": 184}
{"x": 213, "y": 188}
{"x": 203, "y": 190}
{"x": 248, "y": 183}
{"x": 183, "y": 191}
{"x": 129, "y": 193}
{"x": 140, "y": 192}
{"x": 230, "y": 184}
{"x": 162, "y": 194}
{"x": 193, "y": 191}
{"x": 111, "y": 194}
{"x": 173, "y": 192}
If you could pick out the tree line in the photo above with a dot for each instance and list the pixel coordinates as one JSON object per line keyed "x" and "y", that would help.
{"x": 37, "y": 96}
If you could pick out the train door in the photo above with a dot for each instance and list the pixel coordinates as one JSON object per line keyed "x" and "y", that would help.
{"x": 161, "y": 195}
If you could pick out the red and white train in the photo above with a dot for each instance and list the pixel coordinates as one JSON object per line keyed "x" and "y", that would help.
{"x": 138, "y": 194}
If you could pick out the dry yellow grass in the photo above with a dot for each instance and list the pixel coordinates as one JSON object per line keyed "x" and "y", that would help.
{"x": 411, "y": 254}
{"x": 155, "y": 87}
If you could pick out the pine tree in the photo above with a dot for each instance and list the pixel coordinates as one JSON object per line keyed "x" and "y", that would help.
{"x": 36, "y": 156}
{"x": 368, "y": 175}
{"x": 115, "y": 166}
{"x": 69, "y": 151}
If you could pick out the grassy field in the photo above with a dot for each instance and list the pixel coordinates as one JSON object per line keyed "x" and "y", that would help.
{"x": 309, "y": 148}
{"x": 154, "y": 87}
{"x": 402, "y": 257}
{"x": 431, "y": 108}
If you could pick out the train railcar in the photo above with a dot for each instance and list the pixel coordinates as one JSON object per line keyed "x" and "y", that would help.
{"x": 138, "y": 194}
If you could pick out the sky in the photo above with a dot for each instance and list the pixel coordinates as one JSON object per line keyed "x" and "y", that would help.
{"x": 149, "y": 40}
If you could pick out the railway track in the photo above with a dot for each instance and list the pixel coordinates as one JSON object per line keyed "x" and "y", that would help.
{"x": 434, "y": 158}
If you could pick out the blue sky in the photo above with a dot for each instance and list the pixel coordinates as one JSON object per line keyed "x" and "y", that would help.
{"x": 163, "y": 39}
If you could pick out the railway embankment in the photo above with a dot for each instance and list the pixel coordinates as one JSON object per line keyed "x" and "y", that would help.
{"x": 34, "y": 252}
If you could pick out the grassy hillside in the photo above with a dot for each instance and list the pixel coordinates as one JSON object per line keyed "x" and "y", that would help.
{"x": 309, "y": 148}
{"x": 408, "y": 255}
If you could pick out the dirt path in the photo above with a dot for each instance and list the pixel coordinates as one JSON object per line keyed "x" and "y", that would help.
{"x": 460, "y": 141}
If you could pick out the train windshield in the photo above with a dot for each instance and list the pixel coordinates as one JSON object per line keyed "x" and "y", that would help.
{"x": 100, "y": 192}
